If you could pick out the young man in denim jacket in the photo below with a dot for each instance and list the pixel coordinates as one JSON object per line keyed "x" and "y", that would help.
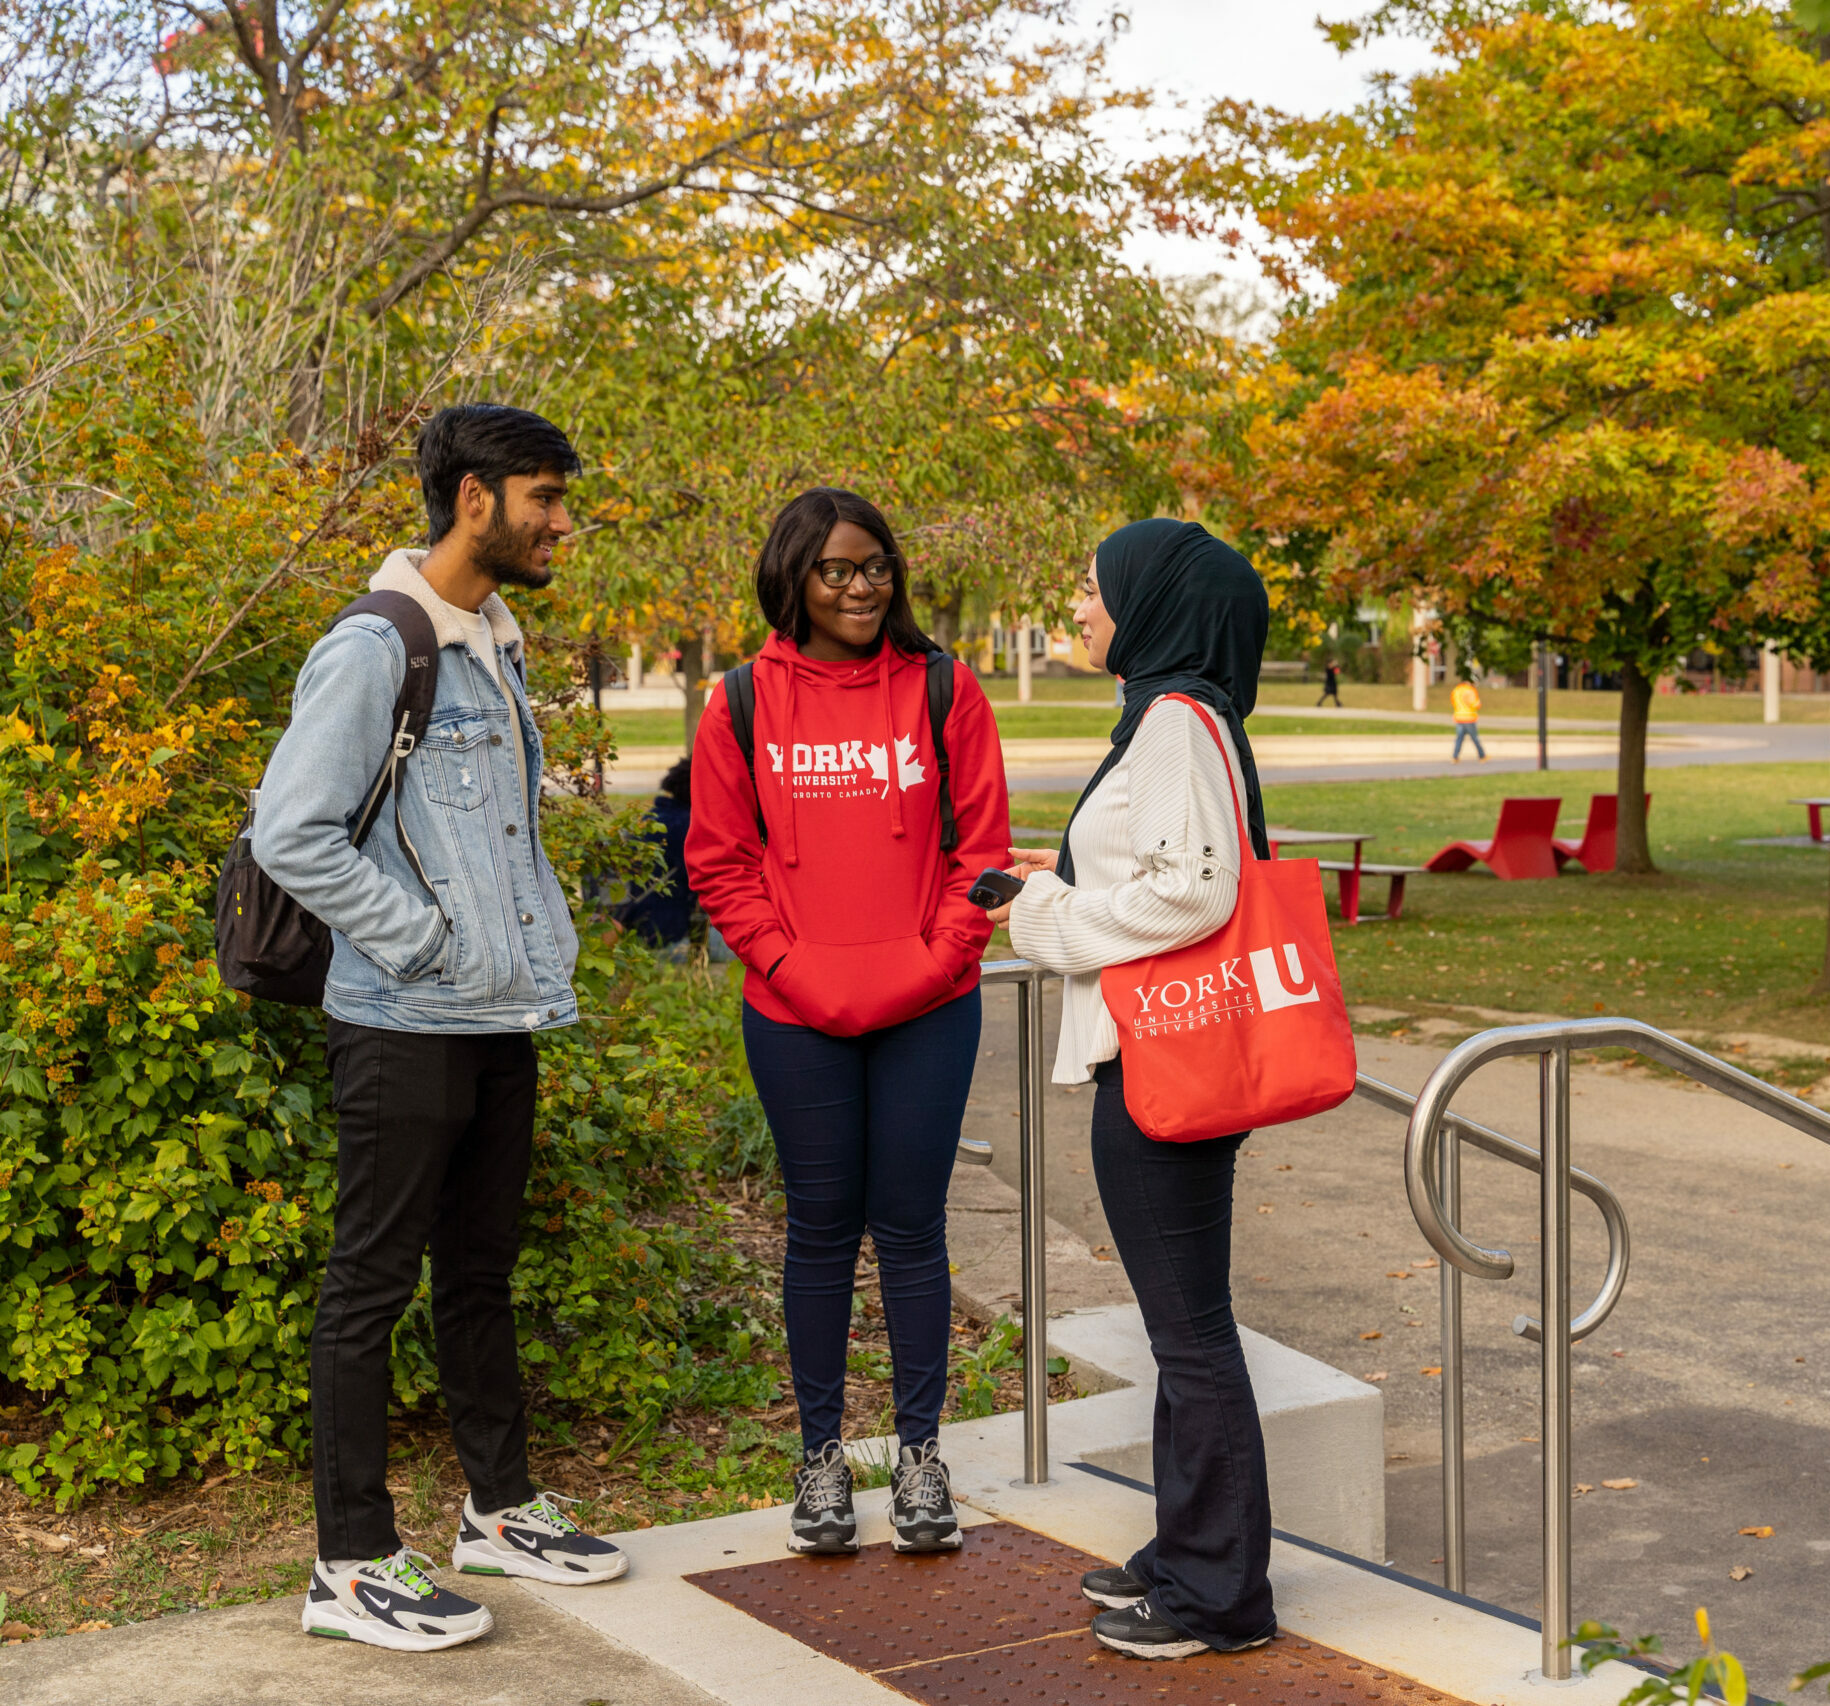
{"x": 432, "y": 1002}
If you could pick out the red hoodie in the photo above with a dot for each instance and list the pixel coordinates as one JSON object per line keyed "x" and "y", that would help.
{"x": 852, "y": 894}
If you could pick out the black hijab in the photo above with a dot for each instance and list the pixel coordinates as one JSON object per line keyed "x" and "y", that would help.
{"x": 1190, "y": 616}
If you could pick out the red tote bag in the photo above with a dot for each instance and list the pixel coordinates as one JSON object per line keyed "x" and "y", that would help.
{"x": 1246, "y": 1027}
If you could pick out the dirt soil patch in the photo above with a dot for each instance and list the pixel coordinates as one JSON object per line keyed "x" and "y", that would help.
{"x": 122, "y": 1557}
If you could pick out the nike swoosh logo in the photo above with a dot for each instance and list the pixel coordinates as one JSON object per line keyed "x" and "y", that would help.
{"x": 520, "y": 1537}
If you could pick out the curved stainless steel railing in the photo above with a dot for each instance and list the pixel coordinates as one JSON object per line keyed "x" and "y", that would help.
{"x": 1432, "y": 1180}
{"x": 1031, "y": 1078}
{"x": 1489, "y": 1142}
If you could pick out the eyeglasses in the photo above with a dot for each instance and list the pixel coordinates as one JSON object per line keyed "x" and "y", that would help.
{"x": 840, "y": 572}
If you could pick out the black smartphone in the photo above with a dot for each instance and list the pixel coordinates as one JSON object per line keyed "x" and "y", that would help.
{"x": 993, "y": 888}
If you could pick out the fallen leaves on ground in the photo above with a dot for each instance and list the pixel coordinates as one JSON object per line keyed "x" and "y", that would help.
{"x": 1427, "y": 1262}
{"x": 19, "y": 1632}
{"x": 1267, "y": 1208}
{"x": 1620, "y": 1486}
{"x": 1399, "y": 1273}
{"x": 1739, "y": 1573}
{"x": 1584, "y": 1487}
{"x": 1379, "y": 1374}
{"x": 1372, "y": 1335}
{"x": 48, "y": 1542}
{"x": 1427, "y": 1371}
{"x": 1764, "y": 1532}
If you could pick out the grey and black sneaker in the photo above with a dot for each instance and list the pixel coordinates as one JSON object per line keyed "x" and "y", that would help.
{"x": 537, "y": 1540}
{"x": 1114, "y": 1587}
{"x": 1145, "y": 1633}
{"x": 390, "y": 1602}
{"x": 823, "y": 1519}
{"x": 921, "y": 1501}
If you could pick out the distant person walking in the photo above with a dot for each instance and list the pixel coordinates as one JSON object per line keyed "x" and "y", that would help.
{"x": 1467, "y": 702}
{"x": 1331, "y": 685}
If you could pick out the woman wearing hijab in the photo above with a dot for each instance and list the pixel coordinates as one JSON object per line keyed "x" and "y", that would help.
{"x": 1150, "y": 862}
{"x": 823, "y": 867}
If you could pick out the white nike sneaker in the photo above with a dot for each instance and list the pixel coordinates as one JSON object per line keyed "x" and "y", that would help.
{"x": 390, "y": 1602}
{"x": 537, "y": 1540}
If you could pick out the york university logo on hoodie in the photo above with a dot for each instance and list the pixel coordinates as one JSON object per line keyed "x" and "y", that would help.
{"x": 1230, "y": 991}
{"x": 845, "y": 769}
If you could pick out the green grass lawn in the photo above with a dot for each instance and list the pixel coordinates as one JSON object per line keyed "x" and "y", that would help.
{"x": 1043, "y": 721}
{"x": 1522, "y": 702}
{"x": 1723, "y": 938}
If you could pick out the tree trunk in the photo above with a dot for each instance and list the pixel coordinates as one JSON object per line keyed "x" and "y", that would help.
{"x": 706, "y": 646}
{"x": 1633, "y": 855}
{"x": 945, "y": 631}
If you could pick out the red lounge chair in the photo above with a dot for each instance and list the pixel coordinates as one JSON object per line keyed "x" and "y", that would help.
{"x": 1521, "y": 844}
{"x": 1595, "y": 851}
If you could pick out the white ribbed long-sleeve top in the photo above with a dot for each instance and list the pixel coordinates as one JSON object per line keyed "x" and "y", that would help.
{"x": 1156, "y": 866}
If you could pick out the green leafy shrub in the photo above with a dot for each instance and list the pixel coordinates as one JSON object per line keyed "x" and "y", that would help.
{"x": 167, "y": 1148}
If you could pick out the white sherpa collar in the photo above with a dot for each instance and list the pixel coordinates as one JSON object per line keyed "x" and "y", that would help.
{"x": 400, "y": 573}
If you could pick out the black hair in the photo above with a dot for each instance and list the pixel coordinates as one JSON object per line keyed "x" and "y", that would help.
{"x": 678, "y": 782}
{"x": 793, "y": 547}
{"x": 491, "y": 441}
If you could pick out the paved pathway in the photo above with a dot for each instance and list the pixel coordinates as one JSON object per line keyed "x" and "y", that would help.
{"x": 255, "y": 1655}
{"x": 1718, "y": 1403}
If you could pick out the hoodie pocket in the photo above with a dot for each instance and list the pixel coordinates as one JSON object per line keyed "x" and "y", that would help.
{"x": 846, "y": 989}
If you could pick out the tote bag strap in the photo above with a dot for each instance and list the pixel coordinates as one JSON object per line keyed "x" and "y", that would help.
{"x": 1247, "y": 854}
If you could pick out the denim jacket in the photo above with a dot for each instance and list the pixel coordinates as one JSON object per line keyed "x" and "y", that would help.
{"x": 505, "y": 963}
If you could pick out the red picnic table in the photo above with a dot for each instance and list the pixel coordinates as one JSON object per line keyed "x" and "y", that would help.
{"x": 1814, "y": 809}
{"x": 1349, "y": 874}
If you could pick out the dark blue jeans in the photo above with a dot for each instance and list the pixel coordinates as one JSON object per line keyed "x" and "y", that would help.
{"x": 1170, "y": 1207}
{"x": 866, "y": 1128}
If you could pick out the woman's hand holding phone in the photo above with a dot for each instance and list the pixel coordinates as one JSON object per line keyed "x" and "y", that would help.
{"x": 1029, "y": 860}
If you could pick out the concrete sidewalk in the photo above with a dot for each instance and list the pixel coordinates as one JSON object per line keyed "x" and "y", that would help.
{"x": 255, "y": 1655}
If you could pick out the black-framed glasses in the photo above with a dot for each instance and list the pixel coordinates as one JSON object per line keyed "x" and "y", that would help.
{"x": 839, "y": 572}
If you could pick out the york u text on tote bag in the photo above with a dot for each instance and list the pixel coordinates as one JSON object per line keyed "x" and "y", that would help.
{"x": 1246, "y": 1027}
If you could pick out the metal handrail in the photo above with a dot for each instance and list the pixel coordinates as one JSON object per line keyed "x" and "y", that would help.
{"x": 1432, "y": 1180}
{"x": 1034, "y": 1209}
{"x": 1490, "y": 1142}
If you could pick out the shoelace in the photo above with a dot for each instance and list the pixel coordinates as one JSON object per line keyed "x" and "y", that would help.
{"x": 924, "y": 1482}
{"x": 401, "y": 1567}
{"x": 824, "y": 1480}
{"x": 546, "y": 1509}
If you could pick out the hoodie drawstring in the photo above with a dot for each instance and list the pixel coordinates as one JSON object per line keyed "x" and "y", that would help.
{"x": 889, "y": 737}
{"x": 791, "y": 849}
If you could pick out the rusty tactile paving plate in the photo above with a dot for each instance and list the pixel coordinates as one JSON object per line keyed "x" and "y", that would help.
{"x": 1001, "y": 1622}
{"x": 875, "y": 1609}
{"x": 1075, "y": 1670}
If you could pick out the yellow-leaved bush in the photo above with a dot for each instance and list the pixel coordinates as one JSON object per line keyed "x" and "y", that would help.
{"x": 167, "y": 1147}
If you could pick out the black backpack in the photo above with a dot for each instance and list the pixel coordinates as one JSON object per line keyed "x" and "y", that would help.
{"x": 266, "y": 943}
{"x": 740, "y": 696}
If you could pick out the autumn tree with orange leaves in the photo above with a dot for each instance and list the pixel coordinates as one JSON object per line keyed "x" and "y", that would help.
{"x": 1560, "y": 333}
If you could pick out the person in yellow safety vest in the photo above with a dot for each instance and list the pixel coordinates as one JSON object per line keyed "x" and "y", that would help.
{"x": 1467, "y": 702}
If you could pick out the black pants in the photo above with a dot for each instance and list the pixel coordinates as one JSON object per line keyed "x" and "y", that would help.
{"x": 434, "y": 1134}
{"x": 867, "y": 1128}
{"x": 1170, "y": 1207}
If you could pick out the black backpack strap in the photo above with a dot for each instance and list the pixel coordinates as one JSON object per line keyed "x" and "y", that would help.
{"x": 740, "y": 700}
{"x": 940, "y": 702}
{"x": 412, "y": 711}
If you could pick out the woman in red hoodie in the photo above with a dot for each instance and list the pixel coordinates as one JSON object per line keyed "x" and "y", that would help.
{"x": 825, "y": 873}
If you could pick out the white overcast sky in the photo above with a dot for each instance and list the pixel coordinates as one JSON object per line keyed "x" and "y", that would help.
{"x": 1259, "y": 50}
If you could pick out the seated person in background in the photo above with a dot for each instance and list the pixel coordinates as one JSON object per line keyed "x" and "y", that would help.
{"x": 663, "y": 914}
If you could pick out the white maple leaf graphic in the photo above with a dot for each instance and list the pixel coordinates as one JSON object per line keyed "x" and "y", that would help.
{"x": 908, "y": 766}
{"x": 879, "y": 763}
